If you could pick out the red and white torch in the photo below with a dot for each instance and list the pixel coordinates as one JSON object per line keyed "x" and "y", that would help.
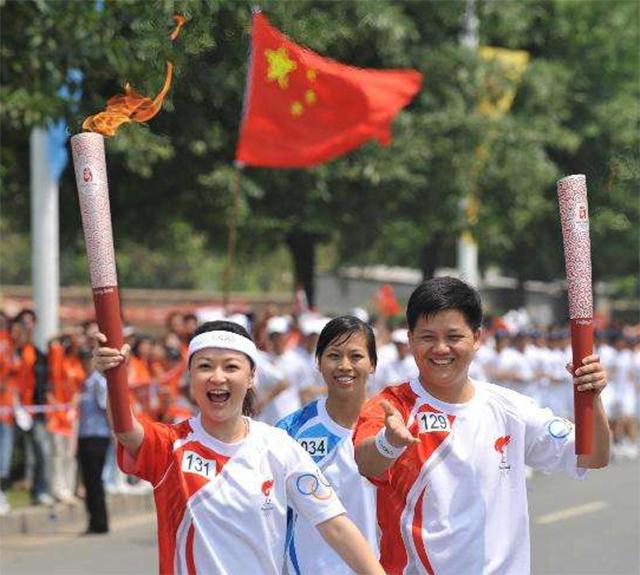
{"x": 574, "y": 217}
{"x": 93, "y": 192}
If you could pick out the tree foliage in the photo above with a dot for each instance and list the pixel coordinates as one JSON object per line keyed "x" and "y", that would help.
{"x": 575, "y": 111}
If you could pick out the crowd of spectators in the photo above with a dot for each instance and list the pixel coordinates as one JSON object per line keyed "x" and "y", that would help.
{"x": 53, "y": 405}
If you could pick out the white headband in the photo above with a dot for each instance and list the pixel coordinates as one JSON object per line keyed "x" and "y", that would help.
{"x": 224, "y": 340}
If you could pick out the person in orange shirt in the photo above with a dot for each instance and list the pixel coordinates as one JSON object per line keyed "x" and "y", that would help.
{"x": 66, "y": 374}
{"x": 32, "y": 391}
{"x": 7, "y": 399}
{"x": 139, "y": 374}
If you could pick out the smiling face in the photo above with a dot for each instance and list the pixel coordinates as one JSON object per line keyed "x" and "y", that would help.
{"x": 220, "y": 379}
{"x": 345, "y": 365}
{"x": 443, "y": 346}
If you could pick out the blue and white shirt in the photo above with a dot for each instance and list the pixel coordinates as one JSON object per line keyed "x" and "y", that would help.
{"x": 331, "y": 448}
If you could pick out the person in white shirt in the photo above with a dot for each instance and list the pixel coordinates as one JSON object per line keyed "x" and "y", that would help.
{"x": 625, "y": 426}
{"x": 448, "y": 454}
{"x": 635, "y": 373}
{"x": 399, "y": 369}
{"x": 483, "y": 360}
{"x": 346, "y": 356}
{"x": 313, "y": 386}
{"x": 522, "y": 374}
{"x": 557, "y": 394}
{"x": 290, "y": 365}
{"x": 504, "y": 362}
{"x": 222, "y": 481}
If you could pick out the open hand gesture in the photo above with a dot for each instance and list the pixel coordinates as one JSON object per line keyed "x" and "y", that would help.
{"x": 396, "y": 432}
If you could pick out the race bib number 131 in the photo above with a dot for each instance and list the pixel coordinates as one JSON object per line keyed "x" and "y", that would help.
{"x": 194, "y": 463}
{"x": 429, "y": 422}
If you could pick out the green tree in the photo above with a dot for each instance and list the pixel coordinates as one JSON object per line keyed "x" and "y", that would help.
{"x": 576, "y": 110}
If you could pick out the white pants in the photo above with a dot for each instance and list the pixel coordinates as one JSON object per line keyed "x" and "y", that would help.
{"x": 63, "y": 465}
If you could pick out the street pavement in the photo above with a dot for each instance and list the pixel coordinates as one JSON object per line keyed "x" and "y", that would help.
{"x": 589, "y": 527}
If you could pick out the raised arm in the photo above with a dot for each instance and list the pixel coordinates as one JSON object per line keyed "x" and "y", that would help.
{"x": 105, "y": 358}
{"x": 374, "y": 455}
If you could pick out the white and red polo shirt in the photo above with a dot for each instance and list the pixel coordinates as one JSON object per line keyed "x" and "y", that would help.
{"x": 222, "y": 508}
{"x": 456, "y": 503}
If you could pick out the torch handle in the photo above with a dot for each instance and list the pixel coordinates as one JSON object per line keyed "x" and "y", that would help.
{"x": 581, "y": 347}
{"x": 107, "y": 304}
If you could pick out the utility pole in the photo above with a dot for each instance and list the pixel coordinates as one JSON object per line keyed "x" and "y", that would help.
{"x": 45, "y": 243}
{"x": 467, "y": 250}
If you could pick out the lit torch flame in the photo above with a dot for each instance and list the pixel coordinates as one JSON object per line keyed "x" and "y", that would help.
{"x": 180, "y": 21}
{"x": 132, "y": 106}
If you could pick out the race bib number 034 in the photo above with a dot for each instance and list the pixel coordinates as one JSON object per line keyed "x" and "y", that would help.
{"x": 194, "y": 463}
{"x": 429, "y": 422}
{"x": 315, "y": 446}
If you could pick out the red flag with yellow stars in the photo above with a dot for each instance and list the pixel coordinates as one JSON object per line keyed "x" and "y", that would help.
{"x": 302, "y": 109}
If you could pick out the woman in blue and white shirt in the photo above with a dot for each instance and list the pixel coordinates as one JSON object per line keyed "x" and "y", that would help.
{"x": 346, "y": 357}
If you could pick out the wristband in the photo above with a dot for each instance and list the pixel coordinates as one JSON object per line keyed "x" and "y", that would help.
{"x": 385, "y": 448}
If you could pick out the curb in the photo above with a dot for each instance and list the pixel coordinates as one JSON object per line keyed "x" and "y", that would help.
{"x": 52, "y": 519}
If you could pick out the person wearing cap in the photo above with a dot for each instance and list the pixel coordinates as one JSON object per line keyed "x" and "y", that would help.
{"x": 448, "y": 456}
{"x": 345, "y": 357}
{"x": 223, "y": 481}
{"x": 274, "y": 406}
{"x": 625, "y": 425}
{"x": 313, "y": 386}
{"x": 398, "y": 370}
{"x": 556, "y": 392}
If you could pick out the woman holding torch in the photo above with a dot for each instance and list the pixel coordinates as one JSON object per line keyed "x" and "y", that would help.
{"x": 222, "y": 481}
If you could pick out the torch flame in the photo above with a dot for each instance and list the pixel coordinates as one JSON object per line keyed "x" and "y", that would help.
{"x": 180, "y": 21}
{"x": 132, "y": 106}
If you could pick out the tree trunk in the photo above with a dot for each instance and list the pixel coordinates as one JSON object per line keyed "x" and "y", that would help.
{"x": 302, "y": 246}
{"x": 429, "y": 257}
{"x": 520, "y": 293}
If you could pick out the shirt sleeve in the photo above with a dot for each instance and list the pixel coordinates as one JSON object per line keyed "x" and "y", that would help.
{"x": 308, "y": 491}
{"x": 550, "y": 442}
{"x": 154, "y": 456}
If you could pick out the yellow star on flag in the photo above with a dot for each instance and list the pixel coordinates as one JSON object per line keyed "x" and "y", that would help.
{"x": 297, "y": 108}
{"x": 310, "y": 97}
{"x": 280, "y": 66}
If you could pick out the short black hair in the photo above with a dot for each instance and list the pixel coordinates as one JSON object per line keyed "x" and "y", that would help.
{"x": 445, "y": 293}
{"x": 24, "y": 312}
{"x": 344, "y": 327}
{"x": 248, "y": 404}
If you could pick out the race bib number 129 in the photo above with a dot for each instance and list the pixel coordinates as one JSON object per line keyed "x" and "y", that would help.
{"x": 429, "y": 422}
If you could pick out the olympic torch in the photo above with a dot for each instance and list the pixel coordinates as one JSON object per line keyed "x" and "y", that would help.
{"x": 93, "y": 192}
{"x": 574, "y": 217}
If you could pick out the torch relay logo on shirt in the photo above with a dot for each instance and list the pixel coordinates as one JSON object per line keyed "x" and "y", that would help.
{"x": 266, "y": 491}
{"x": 500, "y": 445}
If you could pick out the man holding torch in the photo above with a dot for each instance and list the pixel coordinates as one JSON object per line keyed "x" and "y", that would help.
{"x": 448, "y": 453}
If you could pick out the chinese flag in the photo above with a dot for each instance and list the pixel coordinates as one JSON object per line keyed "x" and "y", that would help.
{"x": 303, "y": 109}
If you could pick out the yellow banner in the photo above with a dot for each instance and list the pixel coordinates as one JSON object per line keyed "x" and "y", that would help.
{"x": 501, "y": 75}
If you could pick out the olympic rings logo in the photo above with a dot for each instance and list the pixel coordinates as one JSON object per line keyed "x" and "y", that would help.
{"x": 559, "y": 428}
{"x": 314, "y": 485}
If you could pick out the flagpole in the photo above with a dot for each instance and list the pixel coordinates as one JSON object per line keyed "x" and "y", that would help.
{"x": 232, "y": 236}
